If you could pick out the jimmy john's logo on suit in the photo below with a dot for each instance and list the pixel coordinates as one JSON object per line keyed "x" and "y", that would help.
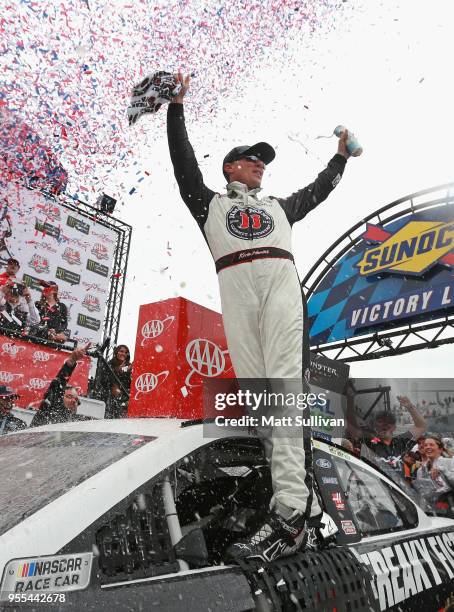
{"x": 249, "y": 223}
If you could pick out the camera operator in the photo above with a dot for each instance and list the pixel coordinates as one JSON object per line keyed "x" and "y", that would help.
{"x": 8, "y": 422}
{"x": 11, "y": 269}
{"x": 61, "y": 400}
{"x": 17, "y": 311}
{"x": 54, "y": 314}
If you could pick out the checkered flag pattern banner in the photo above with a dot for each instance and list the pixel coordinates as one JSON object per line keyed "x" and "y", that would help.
{"x": 151, "y": 93}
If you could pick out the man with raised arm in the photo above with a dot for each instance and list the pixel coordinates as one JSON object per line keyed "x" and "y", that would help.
{"x": 263, "y": 306}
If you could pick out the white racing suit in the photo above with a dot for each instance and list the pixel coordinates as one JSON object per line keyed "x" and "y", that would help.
{"x": 262, "y": 303}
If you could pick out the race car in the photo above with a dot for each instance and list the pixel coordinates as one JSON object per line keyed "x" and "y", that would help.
{"x": 136, "y": 514}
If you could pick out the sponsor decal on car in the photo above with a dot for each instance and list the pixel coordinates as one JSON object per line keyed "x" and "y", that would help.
{"x": 323, "y": 463}
{"x": 348, "y": 527}
{"x": 89, "y": 322}
{"x": 340, "y": 453}
{"x": 336, "y": 496}
{"x": 66, "y": 275}
{"x": 332, "y": 480}
{"x": 46, "y": 574}
{"x": 77, "y": 224}
{"x": 97, "y": 268}
{"x": 406, "y": 569}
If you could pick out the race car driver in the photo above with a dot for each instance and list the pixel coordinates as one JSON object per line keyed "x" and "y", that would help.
{"x": 262, "y": 306}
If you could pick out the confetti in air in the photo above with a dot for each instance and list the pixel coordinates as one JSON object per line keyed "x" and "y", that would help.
{"x": 68, "y": 70}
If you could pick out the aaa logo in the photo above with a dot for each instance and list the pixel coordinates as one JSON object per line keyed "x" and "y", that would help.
{"x": 414, "y": 249}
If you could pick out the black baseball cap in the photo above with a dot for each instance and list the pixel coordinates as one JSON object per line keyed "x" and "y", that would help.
{"x": 262, "y": 150}
{"x": 11, "y": 260}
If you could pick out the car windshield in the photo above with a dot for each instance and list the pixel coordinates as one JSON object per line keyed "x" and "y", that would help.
{"x": 38, "y": 467}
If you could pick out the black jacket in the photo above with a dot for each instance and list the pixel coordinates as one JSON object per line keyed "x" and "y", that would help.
{"x": 53, "y": 317}
{"x": 52, "y": 408}
{"x": 106, "y": 381}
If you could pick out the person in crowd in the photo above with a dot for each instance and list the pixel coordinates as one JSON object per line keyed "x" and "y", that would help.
{"x": 11, "y": 269}
{"x": 61, "y": 400}
{"x": 448, "y": 452}
{"x": 17, "y": 311}
{"x": 8, "y": 422}
{"x": 438, "y": 472}
{"x": 410, "y": 467}
{"x": 419, "y": 449}
{"x": 54, "y": 314}
{"x": 348, "y": 444}
{"x": 110, "y": 391}
{"x": 438, "y": 463}
{"x": 379, "y": 442}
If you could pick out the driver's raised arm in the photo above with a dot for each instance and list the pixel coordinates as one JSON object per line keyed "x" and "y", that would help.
{"x": 194, "y": 192}
{"x": 303, "y": 201}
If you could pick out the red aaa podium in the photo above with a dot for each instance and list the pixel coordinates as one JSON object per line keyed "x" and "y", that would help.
{"x": 179, "y": 344}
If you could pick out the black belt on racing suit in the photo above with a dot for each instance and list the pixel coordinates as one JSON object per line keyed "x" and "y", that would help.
{"x": 232, "y": 259}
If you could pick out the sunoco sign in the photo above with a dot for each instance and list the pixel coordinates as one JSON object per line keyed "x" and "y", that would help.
{"x": 402, "y": 270}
